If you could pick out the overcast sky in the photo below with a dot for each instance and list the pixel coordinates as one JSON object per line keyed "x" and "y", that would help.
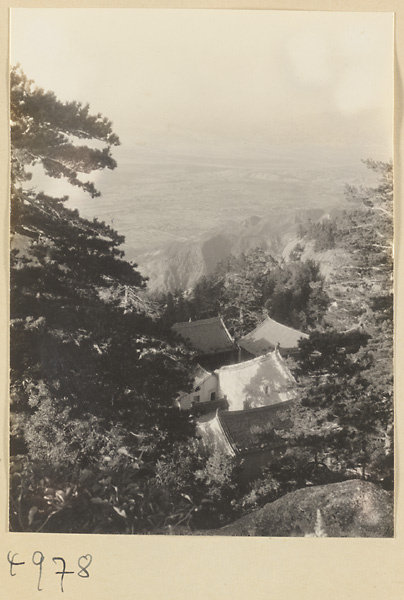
{"x": 231, "y": 74}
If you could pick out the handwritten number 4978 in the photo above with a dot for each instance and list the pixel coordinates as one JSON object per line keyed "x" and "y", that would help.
{"x": 38, "y": 559}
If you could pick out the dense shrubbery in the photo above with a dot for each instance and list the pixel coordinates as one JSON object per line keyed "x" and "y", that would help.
{"x": 244, "y": 289}
{"x": 120, "y": 491}
{"x": 92, "y": 369}
{"x": 96, "y": 444}
{"x": 324, "y": 233}
{"x": 344, "y": 417}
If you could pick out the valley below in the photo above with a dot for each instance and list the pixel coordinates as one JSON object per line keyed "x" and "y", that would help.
{"x": 181, "y": 214}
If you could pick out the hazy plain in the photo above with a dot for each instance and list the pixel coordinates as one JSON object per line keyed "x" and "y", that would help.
{"x": 161, "y": 198}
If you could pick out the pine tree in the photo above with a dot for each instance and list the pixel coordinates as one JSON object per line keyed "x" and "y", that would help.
{"x": 84, "y": 340}
{"x": 345, "y": 373}
{"x": 43, "y": 130}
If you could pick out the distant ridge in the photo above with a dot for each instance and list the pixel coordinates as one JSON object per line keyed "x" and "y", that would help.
{"x": 182, "y": 264}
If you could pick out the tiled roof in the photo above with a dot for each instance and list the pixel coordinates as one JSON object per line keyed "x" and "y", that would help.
{"x": 242, "y": 427}
{"x": 213, "y": 435}
{"x": 268, "y": 335}
{"x": 262, "y": 381}
{"x": 206, "y": 336}
{"x": 205, "y": 408}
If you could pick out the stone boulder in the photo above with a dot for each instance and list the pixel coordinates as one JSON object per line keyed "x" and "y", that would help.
{"x": 349, "y": 509}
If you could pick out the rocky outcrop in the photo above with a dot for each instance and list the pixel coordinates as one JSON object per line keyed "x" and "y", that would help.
{"x": 349, "y": 509}
{"x": 181, "y": 264}
{"x": 329, "y": 261}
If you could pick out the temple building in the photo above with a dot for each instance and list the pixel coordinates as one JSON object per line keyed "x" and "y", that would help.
{"x": 270, "y": 335}
{"x": 262, "y": 381}
{"x": 211, "y": 341}
{"x": 254, "y": 436}
{"x": 204, "y": 396}
{"x": 241, "y": 408}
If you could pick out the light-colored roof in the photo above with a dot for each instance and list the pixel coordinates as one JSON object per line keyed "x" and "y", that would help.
{"x": 258, "y": 382}
{"x": 268, "y": 335}
{"x": 200, "y": 375}
{"x": 213, "y": 435}
{"x": 206, "y": 336}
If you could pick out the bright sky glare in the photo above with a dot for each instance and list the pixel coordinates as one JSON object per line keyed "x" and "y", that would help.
{"x": 209, "y": 72}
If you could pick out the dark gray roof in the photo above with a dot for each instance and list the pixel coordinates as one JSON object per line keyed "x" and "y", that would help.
{"x": 205, "y": 408}
{"x": 206, "y": 336}
{"x": 242, "y": 427}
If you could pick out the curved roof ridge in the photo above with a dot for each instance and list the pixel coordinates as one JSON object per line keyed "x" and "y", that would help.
{"x": 283, "y": 366}
{"x": 207, "y": 336}
{"x": 268, "y": 408}
{"x": 268, "y": 319}
{"x": 198, "y": 321}
{"x": 248, "y": 363}
{"x": 268, "y": 335}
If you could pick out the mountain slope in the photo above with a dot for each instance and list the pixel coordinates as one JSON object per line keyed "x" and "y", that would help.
{"x": 181, "y": 264}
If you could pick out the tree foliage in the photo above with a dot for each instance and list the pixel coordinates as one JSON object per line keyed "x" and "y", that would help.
{"x": 246, "y": 288}
{"x": 345, "y": 372}
{"x": 88, "y": 355}
{"x": 96, "y": 443}
{"x": 45, "y": 131}
{"x": 322, "y": 232}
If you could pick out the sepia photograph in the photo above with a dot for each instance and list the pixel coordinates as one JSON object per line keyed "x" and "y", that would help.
{"x": 201, "y": 272}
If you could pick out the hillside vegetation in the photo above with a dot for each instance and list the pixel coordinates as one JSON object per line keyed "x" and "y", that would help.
{"x": 96, "y": 444}
{"x": 181, "y": 264}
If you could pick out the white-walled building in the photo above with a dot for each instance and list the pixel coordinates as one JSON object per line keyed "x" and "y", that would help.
{"x": 205, "y": 389}
{"x": 262, "y": 381}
